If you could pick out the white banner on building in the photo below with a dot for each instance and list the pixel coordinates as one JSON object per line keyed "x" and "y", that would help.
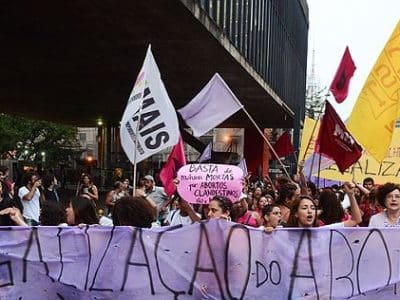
{"x": 211, "y": 260}
{"x": 149, "y": 115}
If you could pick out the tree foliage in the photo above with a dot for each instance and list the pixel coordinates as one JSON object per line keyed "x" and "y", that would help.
{"x": 37, "y": 140}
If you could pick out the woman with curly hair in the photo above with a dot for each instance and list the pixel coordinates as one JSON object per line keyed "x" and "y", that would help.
{"x": 389, "y": 198}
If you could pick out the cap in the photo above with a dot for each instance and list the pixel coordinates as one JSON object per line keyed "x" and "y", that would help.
{"x": 148, "y": 177}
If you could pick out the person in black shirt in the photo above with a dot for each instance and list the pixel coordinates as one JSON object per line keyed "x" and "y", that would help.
{"x": 49, "y": 191}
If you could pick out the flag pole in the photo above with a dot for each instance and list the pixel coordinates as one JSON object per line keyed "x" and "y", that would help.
{"x": 266, "y": 140}
{"x": 312, "y": 166}
{"x": 319, "y": 169}
{"x": 320, "y": 158}
{"x": 137, "y": 131}
{"x": 311, "y": 137}
{"x": 315, "y": 126}
{"x": 136, "y": 143}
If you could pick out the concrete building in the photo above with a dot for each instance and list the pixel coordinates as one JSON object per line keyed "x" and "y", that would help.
{"x": 75, "y": 62}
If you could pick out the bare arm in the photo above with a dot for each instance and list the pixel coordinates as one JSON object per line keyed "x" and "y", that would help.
{"x": 258, "y": 218}
{"x": 29, "y": 196}
{"x": 184, "y": 206}
{"x": 268, "y": 179}
{"x": 15, "y": 215}
{"x": 95, "y": 194}
{"x": 362, "y": 188}
{"x": 356, "y": 217}
{"x": 303, "y": 180}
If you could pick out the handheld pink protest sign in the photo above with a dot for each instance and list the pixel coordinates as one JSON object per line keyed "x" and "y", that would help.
{"x": 198, "y": 183}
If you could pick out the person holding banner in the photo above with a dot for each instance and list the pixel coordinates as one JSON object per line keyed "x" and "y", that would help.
{"x": 389, "y": 198}
{"x": 272, "y": 217}
{"x": 133, "y": 211}
{"x": 81, "y": 210}
{"x": 220, "y": 207}
{"x": 303, "y": 212}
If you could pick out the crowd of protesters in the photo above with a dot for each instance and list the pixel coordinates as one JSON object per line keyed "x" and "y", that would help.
{"x": 264, "y": 203}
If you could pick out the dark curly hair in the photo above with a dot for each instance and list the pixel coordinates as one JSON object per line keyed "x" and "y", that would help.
{"x": 384, "y": 190}
{"x": 268, "y": 209}
{"x": 133, "y": 211}
{"x": 84, "y": 210}
{"x": 332, "y": 210}
{"x": 224, "y": 203}
{"x": 286, "y": 191}
{"x": 48, "y": 180}
{"x": 52, "y": 214}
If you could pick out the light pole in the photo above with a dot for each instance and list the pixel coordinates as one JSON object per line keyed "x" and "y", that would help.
{"x": 43, "y": 158}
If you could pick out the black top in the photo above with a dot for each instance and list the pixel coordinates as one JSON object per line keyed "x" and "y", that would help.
{"x": 50, "y": 196}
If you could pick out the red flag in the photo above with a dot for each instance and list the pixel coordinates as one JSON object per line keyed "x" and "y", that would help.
{"x": 283, "y": 146}
{"x": 340, "y": 84}
{"x": 169, "y": 172}
{"x": 335, "y": 141}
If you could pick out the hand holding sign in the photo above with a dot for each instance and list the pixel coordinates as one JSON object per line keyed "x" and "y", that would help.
{"x": 200, "y": 182}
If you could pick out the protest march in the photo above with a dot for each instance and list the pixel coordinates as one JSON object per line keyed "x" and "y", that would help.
{"x": 210, "y": 230}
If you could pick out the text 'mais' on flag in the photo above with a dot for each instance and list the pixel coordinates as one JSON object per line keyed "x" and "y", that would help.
{"x": 335, "y": 141}
{"x": 175, "y": 161}
{"x": 340, "y": 84}
{"x": 373, "y": 117}
{"x": 283, "y": 146}
{"x": 210, "y": 107}
{"x": 149, "y": 115}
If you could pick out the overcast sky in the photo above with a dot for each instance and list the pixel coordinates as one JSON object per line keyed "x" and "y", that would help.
{"x": 363, "y": 25}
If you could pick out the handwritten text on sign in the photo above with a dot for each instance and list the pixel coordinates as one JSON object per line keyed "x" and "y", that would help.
{"x": 209, "y": 260}
{"x": 200, "y": 182}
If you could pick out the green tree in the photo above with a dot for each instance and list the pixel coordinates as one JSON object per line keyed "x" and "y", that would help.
{"x": 37, "y": 140}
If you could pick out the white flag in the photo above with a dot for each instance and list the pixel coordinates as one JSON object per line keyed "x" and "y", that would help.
{"x": 209, "y": 108}
{"x": 242, "y": 165}
{"x": 149, "y": 102}
{"x": 206, "y": 154}
{"x": 311, "y": 164}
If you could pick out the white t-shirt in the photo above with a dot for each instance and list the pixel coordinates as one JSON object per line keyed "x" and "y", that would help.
{"x": 175, "y": 218}
{"x": 31, "y": 207}
{"x": 104, "y": 221}
{"x": 381, "y": 220}
{"x": 334, "y": 225}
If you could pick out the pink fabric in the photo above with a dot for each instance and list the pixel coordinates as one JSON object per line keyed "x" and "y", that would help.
{"x": 248, "y": 219}
{"x": 175, "y": 161}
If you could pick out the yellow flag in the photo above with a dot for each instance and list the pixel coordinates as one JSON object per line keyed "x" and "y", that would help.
{"x": 308, "y": 137}
{"x": 377, "y": 108}
{"x": 388, "y": 170}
